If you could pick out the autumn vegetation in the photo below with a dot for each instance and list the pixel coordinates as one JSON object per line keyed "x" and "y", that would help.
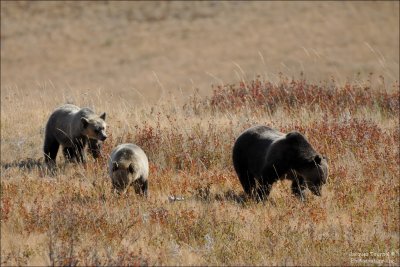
{"x": 74, "y": 218}
{"x": 182, "y": 79}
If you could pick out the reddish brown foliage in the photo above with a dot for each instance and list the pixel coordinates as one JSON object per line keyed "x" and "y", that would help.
{"x": 295, "y": 94}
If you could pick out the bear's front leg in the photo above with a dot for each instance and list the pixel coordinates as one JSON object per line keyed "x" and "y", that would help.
{"x": 80, "y": 152}
{"x": 94, "y": 148}
{"x": 82, "y": 156}
{"x": 299, "y": 187}
{"x": 140, "y": 186}
{"x": 69, "y": 154}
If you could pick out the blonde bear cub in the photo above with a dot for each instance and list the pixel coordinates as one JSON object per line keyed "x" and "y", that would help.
{"x": 128, "y": 165}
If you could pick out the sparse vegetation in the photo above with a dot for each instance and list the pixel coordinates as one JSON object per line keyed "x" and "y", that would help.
{"x": 74, "y": 218}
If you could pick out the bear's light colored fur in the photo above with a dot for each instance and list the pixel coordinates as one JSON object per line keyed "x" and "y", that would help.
{"x": 73, "y": 128}
{"x": 128, "y": 165}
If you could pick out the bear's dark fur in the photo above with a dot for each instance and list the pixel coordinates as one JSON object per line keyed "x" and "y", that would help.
{"x": 262, "y": 156}
{"x": 128, "y": 165}
{"x": 73, "y": 128}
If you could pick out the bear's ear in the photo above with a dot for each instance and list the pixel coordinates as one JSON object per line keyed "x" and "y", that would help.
{"x": 114, "y": 166}
{"x": 85, "y": 122}
{"x": 317, "y": 159}
{"x": 131, "y": 169}
{"x": 294, "y": 136}
{"x": 103, "y": 116}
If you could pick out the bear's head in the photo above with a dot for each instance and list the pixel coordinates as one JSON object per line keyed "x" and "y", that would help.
{"x": 315, "y": 173}
{"x": 94, "y": 127}
{"x": 122, "y": 175}
{"x": 310, "y": 165}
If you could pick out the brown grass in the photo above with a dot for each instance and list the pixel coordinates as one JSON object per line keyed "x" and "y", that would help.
{"x": 74, "y": 218}
{"x": 150, "y": 66}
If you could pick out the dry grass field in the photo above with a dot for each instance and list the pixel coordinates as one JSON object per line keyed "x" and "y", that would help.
{"x": 183, "y": 80}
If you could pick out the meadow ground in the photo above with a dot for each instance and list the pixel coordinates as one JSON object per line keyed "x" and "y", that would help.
{"x": 52, "y": 54}
{"x": 75, "y": 218}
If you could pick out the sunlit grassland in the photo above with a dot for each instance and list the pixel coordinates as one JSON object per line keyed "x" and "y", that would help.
{"x": 74, "y": 218}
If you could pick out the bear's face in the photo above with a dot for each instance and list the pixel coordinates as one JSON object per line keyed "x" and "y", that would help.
{"x": 121, "y": 176}
{"x": 315, "y": 174}
{"x": 95, "y": 127}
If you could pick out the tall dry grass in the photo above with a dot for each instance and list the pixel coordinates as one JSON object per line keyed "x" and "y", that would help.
{"x": 74, "y": 218}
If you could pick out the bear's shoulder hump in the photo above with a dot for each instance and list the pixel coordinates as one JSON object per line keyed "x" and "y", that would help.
{"x": 295, "y": 136}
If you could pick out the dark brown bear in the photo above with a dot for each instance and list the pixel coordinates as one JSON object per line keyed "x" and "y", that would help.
{"x": 73, "y": 128}
{"x": 262, "y": 156}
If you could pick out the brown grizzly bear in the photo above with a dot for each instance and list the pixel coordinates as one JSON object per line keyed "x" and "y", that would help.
{"x": 73, "y": 128}
{"x": 262, "y": 156}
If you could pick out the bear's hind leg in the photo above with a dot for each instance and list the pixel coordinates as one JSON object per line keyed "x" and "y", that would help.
{"x": 262, "y": 192}
{"x": 50, "y": 150}
{"x": 247, "y": 180}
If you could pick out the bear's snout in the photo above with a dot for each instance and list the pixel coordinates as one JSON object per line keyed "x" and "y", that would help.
{"x": 103, "y": 137}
